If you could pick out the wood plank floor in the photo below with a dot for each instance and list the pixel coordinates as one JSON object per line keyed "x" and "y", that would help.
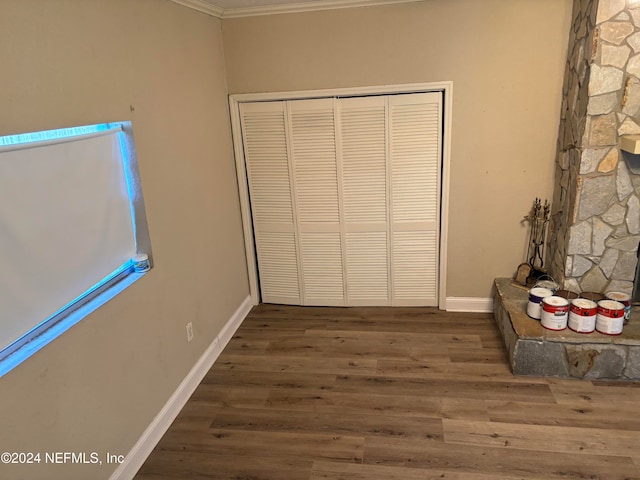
{"x": 305, "y": 393}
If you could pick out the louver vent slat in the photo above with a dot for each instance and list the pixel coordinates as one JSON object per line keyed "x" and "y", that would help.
{"x": 415, "y": 162}
{"x": 367, "y": 277}
{"x": 322, "y": 264}
{"x": 364, "y": 162}
{"x": 314, "y": 153}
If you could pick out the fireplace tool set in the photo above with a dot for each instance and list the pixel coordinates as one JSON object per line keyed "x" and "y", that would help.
{"x": 559, "y": 309}
{"x": 528, "y": 273}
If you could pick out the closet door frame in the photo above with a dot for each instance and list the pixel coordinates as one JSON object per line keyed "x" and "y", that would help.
{"x": 243, "y": 189}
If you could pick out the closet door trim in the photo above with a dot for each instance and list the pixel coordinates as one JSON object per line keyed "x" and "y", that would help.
{"x": 234, "y": 102}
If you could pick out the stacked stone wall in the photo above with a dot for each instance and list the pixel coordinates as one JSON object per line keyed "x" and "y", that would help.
{"x": 595, "y": 224}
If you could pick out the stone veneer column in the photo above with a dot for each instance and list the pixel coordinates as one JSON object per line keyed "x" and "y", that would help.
{"x": 595, "y": 223}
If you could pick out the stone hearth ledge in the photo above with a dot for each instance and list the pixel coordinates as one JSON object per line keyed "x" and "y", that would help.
{"x": 534, "y": 350}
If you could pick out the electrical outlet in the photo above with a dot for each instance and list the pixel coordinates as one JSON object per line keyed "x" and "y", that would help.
{"x": 189, "y": 331}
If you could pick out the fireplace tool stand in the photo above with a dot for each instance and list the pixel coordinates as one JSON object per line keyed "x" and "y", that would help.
{"x": 528, "y": 273}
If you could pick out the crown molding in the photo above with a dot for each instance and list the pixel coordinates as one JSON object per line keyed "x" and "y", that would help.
{"x": 206, "y": 6}
{"x": 306, "y": 7}
{"x": 203, "y": 6}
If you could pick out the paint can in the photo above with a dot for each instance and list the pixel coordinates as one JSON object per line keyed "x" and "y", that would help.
{"x": 568, "y": 294}
{"x": 594, "y": 296}
{"x": 624, "y": 299}
{"x": 582, "y": 315}
{"x": 549, "y": 283}
{"x": 534, "y": 306}
{"x": 610, "y": 317}
{"x": 555, "y": 312}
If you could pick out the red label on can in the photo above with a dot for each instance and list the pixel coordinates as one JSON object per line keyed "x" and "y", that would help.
{"x": 611, "y": 309}
{"x": 583, "y": 307}
{"x": 555, "y": 305}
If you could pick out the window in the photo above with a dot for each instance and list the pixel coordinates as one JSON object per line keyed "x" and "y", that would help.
{"x": 73, "y": 231}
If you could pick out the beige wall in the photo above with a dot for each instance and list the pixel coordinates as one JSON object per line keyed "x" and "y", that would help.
{"x": 506, "y": 60}
{"x": 76, "y": 62}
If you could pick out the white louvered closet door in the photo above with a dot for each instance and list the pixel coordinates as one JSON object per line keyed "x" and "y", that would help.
{"x": 268, "y": 170}
{"x": 414, "y": 165}
{"x": 345, "y": 198}
{"x": 315, "y": 174}
{"x": 362, "y": 156}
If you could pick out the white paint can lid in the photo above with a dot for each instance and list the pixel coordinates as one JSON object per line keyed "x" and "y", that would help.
{"x": 611, "y": 305}
{"x": 540, "y": 292}
{"x": 556, "y": 301}
{"x": 584, "y": 303}
{"x": 618, "y": 296}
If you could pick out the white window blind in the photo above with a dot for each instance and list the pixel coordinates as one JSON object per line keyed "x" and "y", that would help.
{"x": 66, "y": 225}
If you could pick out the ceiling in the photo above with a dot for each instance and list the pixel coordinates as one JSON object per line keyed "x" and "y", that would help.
{"x": 245, "y": 8}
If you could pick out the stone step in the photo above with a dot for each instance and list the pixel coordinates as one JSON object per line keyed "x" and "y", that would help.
{"x": 534, "y": 350}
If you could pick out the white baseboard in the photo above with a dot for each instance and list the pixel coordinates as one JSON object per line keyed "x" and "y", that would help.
{"x": 154, "y": 432}
{"x": 469, "y": 304}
